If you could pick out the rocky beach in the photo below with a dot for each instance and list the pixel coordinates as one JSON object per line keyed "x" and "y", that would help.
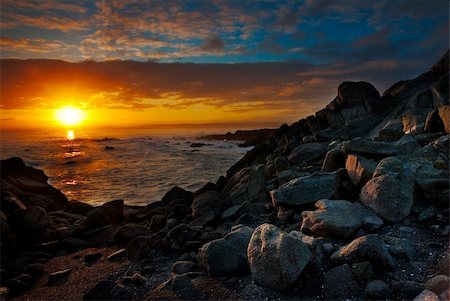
{"x": 351, "y": 203}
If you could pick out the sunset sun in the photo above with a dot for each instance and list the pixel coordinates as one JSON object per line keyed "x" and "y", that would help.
{"x": 70, "y": 116}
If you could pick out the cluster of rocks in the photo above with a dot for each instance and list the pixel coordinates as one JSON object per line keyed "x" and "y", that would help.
{"x": 349, "y": 203}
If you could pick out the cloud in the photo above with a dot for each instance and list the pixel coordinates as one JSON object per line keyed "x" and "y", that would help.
{"x": 31, "y": 45}
{"x": 212, "y": 44}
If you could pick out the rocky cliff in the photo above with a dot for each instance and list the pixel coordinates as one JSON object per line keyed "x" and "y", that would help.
{"x": 349, "y": 203}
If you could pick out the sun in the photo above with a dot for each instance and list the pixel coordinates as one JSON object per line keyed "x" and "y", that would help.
{"x": 70, "y": 116}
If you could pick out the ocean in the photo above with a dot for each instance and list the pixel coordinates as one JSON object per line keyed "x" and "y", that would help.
{"x": 141, "y": 167}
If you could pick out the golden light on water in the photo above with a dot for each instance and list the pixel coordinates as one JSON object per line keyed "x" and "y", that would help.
{"x": 70, "y": 135}
{"x": 70, "y": 116}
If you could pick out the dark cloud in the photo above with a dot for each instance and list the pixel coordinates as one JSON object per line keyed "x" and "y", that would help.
{"x": 214, "y": 43}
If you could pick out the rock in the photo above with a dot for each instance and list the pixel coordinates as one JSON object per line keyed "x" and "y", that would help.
{"x": 276, "y": 259}
{"x": 390, "y": 132}
{"x": 307, "y": 152}
{"x": 206, "y": 219}
{"x": 4, "y": 228}
{"x": 334, "y": 160}
{"x": 254, "y": 292}
{"x": 444, "y": 113}
{"x": 181, "y": 267}
{"x": 377, "y": 289}
{"x": 34, "y": 220}
{"x": 406, "y": 289}
{"x": 427, "y": 214}
{"x": 390, "y": 193}
{"x": 59, "y": 277}
{"x": 107, "y": 214}
{"x": 308, "y": 189}
{"x": 433, "y": 123}
{"x": 336, "y": 218}
{"x": 438, "y": 284}
{"x": 127, "y": 232}
{"x": 369, "y": 149}
{"x": 363, "y": 271}
{"x": 339, "y": 284}
{"x": 359, "y": 169}
{"x": 177, "y": 237}
{"x": 210, "y": 201}
{"x": 426, "y": 295}
{"x": 107, "y": 290}
{"x": 139, "y": 248}
{"x": 117, "y": 255}
{"x": 401, "y": 247}
{"x": 281, "y": 164}
{"x": 109, "y": 148}
{"x": 365, "y": 248}
{"x": 177, "y": 193}
{"x": 157, "y": 223}
{"x": 256, "y": 186}
{"x": 227, "y": 256}
{"x": 92, "y": 257}
{"x": 231, "y": 212}
{"x": 407, "y": 145}
{"x": 76, "y": 207}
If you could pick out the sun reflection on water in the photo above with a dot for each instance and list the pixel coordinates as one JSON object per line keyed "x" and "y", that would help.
{"x": 70, "y": 135}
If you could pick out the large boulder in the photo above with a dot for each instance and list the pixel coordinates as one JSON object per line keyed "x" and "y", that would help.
{"x": 390, "y": 193}
{"x": 308, "y": 189}
{"x": 276, "y": 259}
{"x": 368, "y": 148}
{"x": 107, "y": 214}
{"x": 209, "y": 201}
{"x": 338, "y": 218}
{"x": 334, "y": 160}
{"x": 365, "y": 248}
{"x": 359, "y": 169}
{"x": 307, "y": 152}
{"x": 227, "y": 256}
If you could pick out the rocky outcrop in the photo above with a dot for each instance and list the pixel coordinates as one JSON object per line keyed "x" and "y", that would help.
{"x": 276, "y": 259}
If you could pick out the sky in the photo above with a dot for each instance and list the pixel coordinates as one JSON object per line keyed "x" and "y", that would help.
{"x": 137, "y": 63}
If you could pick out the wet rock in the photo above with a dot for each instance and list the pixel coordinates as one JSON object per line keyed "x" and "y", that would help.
{"x": 276, "y": 259}
{"x": 307, "y": 152}
{"x": 228, "y": 255}
{"x": 139, "y": 248}
{"x": 337, "y": 218}
{"x": 363, "y": 271}
{"x": 210, "y": 201}
{"x": 308, "y": 189}
{"x": 406, "y": 289}
{"x": 157, "y": 223}
{"x": 365, "y": 248}
{"x": 334, "y": 160}
{"x": 107, "y": 290}
{"x": 127, "y": 232}
{"x": 359, "y": 169}
{"x": 117, "y": 255}
{"x": 390, "y": 193}
{"x": 438, "y": 284}
{"x": 181, "y": 267}
{"x": 377, "y": 290}
{"x": 426, "y": 295}
{"x": 59, "y": 277}
{"x": 340, "y": 284}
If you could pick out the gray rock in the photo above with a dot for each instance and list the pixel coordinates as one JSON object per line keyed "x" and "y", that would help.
{"x": 181, "y": 267}
{"x": 256, "y": 186}
{"x": 281, "y": 164}
{"x": 334, "y": 160}
{"x": 390, "y": 193}
{"x": 276, "y": 259}
{"x": 209, "y": 201}
{"x": 177, "y": 237}
{"x": 390, "y": 132}
{"x": 227, "y": 256}
{"x": 401, "y": 247}
{"x": 340, "y": 284}
{"x": 231, "y": 212}
{"x": 427, "y": 213}
{"x": 365, "y": 248}
{"x": 307, "y": 152}
{"x": 359, "y": 169}
{"x": 377, "y": 289}
{"x": 406, "y": 289}
{"x": 308, "y": 189}
{"x": 127, "y": 232}
{"x": 426, "y": 295}
{"x": 337, "y": 218}
{"x": 407, "y": 145}
{"x": 363, "y": 271}
{"x": 369, "y": 149}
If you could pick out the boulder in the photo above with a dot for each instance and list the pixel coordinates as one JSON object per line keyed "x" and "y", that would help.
{"x": 444, "y": 113}
{"x": 227, "y": 256}
{"x": 210, "y": 201}
{"x": 157, "y": 222}
{"x": 177, "y": 193}
{"x": 359, "y": 169}
{"x": 181, "y": 267}
{"x": 177, "y": 237}
{"x": 368, "y": 148}
{"x": 438, "y": 284}
{"x": 139, "y": 247}
{"x": 34, "y": 220}
{"x": 390, "y": 193}
{"x": 107, "y": 214}
{"x": 127, "y": 232}
{"x": 407, "y": 145}
{"x": 401, "y": 247}
{"x": 276, "y": 259}
{"x": 308, "y": 189}
{"x": 406, "y": 289}
{"x": 433, "y": 123}
{"x": 307, "y": 152}
{"x": 337, "y": 218}
{"x": 365, "y": 248}
{"x": 334, "y": 159}
{"x": 339, "y": 284}
{"x": 377, "y": 290}
{"x": 256, "y": 186}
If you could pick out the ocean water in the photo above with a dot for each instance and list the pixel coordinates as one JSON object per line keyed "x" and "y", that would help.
{"x": 143, "y": 166}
